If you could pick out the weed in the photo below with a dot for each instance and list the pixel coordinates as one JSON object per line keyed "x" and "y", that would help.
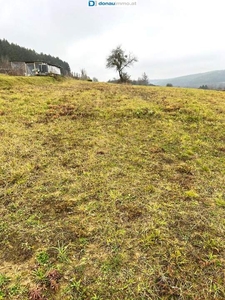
{"x": 78, "y": 289}
{"x": 4, "y": 286}
{"x": 42, "y": 258}
{"x": 4, "y": 280}
{"x": 62, "y": 252}
{"x": 14, "y": 289}
{"x": 40, "y": 276}
{"x": 113, "y": 263}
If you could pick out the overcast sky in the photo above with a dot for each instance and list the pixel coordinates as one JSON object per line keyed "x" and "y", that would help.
{"x": 169, "y": 37}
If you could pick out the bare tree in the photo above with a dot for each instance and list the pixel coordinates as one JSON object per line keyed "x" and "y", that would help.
{"x": 119, "y": 60}
{"x": 83, "y": 74}
{"x": 143, "y": 80}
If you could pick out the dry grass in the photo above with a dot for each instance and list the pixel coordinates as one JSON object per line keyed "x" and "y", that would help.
{"x": 119, "y": 190}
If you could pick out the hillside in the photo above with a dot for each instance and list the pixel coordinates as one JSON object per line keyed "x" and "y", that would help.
{"x": 13, "y": 52}
{"x": 215, "y": 79}
{"x": 110, "y": 191}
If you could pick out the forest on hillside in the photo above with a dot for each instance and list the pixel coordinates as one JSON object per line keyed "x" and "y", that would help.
{"x": 13, "y": 52}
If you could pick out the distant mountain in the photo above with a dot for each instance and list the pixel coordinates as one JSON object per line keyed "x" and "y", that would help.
{"x": 13, "y": 52}
{"x": 214, "y": 79}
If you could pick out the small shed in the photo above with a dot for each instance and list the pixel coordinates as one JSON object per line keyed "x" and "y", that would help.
{"x": 32, "y": 68}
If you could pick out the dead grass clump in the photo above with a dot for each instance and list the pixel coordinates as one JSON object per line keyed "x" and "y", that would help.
{"x": 67, "y": 110}
{"x": 53, "y": 277}
{"x": 36, "y": 293}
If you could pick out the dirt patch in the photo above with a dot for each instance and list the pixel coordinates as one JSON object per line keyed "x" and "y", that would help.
{"x": 18, "y": 247}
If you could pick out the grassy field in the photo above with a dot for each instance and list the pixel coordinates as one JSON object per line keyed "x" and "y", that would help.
{"x": 110, "y": 191}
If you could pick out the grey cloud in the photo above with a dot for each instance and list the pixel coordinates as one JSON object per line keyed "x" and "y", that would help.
{"x": 51, "y": 26}
{"x": 166, "y": 35}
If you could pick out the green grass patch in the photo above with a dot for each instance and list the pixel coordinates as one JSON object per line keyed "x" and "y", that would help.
{"x": 110, "y": 191}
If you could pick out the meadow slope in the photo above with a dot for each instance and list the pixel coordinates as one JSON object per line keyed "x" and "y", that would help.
{"x": 110, "y": 191}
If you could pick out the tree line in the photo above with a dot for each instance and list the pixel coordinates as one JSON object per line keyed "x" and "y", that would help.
{"x": 13, "y": 52}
